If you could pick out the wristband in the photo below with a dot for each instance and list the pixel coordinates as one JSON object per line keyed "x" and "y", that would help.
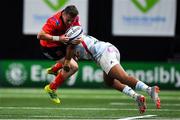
{"x": 55, "y": 38}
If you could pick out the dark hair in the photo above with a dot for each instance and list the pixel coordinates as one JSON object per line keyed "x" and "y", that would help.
{"x": 71, "y": 10}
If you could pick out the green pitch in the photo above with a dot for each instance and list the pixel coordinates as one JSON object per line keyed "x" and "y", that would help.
{"x": 83, "y": 104}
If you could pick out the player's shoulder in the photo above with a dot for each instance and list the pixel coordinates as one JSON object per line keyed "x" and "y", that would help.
{"x": 54, "y": 19}
{"x": 57, "y": 14}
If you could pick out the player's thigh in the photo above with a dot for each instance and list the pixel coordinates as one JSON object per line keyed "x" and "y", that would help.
{"x": 54, "y": 53}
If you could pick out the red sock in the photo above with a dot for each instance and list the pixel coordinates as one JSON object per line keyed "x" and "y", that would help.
{"x": 57, "y": 81}
{"x": 56, "y": 67}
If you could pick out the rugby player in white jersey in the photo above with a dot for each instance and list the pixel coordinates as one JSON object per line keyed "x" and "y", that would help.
{"x": 108, "y": 57}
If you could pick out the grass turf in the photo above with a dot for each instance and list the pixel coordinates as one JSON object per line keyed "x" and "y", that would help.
{"x": 108, "y": 104}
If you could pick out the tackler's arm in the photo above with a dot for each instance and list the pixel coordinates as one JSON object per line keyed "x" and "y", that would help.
{"x": 68, "y": 57}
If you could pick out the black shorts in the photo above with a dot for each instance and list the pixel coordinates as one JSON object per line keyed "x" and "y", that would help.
{"x": 54, "y": 53}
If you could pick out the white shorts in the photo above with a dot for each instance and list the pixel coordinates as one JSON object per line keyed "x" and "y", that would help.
{"x": 109, "y": 58}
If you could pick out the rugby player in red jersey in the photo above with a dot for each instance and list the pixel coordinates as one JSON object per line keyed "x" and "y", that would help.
{"x": 53, "y": 43}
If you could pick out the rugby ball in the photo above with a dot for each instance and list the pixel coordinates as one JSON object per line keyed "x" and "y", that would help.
{"x": 74, "y": 32}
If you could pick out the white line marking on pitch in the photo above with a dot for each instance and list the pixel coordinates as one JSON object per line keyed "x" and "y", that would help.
{"x": 118, "y": 103}
{"x": 137, "y": 117}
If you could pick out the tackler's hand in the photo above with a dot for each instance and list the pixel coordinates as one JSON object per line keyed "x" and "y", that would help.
{"x": 66, "y": 66}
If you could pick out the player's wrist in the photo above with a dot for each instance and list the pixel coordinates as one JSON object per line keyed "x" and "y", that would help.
{"x": 55, "y": 38}
{"x": 66, "y": 66}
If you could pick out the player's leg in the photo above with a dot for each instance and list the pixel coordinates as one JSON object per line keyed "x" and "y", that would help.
{"x": 114, "y": 70}
{"x": 118, "y": 72}
{"x": 59, "y": 80}
{"x": 116, "y": 84}
{"x": 55, "y": 54}
{"x": 55, "y": 68}
{"x": 155, "y": 97}
{"x": 63, "y": 75}
{"x": 111, "y": 79}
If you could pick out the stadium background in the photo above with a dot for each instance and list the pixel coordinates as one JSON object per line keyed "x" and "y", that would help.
{"x": 15, "y": 46}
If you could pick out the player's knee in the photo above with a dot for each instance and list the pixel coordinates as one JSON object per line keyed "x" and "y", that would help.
{"x": 107, "y": 80}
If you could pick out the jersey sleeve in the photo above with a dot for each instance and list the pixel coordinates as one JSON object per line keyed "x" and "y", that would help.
{"x": 49, "y": 26}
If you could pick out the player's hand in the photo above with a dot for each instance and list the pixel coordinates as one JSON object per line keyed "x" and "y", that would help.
{"x": 66, "y": 65}
{"x": 66, "y": 68}
{"x": 64, "y": 39}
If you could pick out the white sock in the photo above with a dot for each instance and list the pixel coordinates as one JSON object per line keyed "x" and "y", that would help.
{"x": 130, "y": 92}
{"x": 142, "y": 86}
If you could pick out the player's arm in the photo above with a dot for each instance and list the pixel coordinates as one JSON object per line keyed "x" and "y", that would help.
{"x": 70, "y": 53}
{"x": 42, "y": 35}
{"x": 68, "y": 57}
{"x": 47, "y": 32}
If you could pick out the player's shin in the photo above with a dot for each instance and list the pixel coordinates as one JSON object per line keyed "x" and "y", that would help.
{"x": 130, "y": 92}
{"x": 142, "y": 86}
{"x": 59, "y": 79}
{"x": 140, "y": 99}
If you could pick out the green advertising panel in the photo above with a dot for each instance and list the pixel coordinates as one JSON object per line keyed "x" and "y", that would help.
{"x": 33, "y": 74}
{"x": 29, "y": 73}
{"x": 166, "y": 75}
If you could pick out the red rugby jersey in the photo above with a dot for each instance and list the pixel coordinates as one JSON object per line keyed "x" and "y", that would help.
{"x": 55, "y": 26}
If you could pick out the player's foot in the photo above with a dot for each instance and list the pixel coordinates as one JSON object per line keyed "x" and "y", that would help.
{"x": 50, "y": 71}
{"x": 141, "y": 101}
{"x": 52, "y": 94}
{"x": 154, "y": 95}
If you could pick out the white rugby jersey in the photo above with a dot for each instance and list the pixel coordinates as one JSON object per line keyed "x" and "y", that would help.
{"x": 90, "y": 48}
